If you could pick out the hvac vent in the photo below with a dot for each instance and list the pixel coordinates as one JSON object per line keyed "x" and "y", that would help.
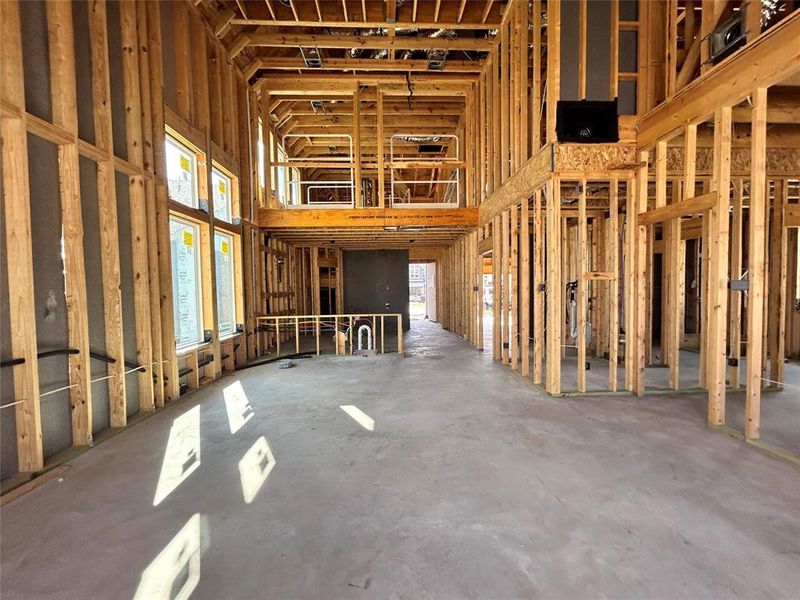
{"x": 728, "y": 36}
{"x": 430, "y": 148}
{"x": 312, "y": 58}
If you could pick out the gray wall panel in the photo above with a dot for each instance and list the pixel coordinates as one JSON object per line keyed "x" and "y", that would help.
{"x": 570, "y": 35}
{"x": 83, "y": 70}
{"x": 374, "y": 277}
{"x": 117, "y": 88}
{"x": 598, "y": 50}
{"x": 168, "y": 56}
{"x": 94, "y": 290}
{"x": 49, "y": 298}
{"x": 35, "y": 58}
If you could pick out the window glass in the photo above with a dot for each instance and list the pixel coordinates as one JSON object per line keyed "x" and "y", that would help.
{"x": 226, "y": 289}
{"x": 186, "y": 293}
{"x": 181, "y": 173}
{"x": 262, "y": 177}
{"x": 282, "y": 182}
{"x": 221, "y": 185}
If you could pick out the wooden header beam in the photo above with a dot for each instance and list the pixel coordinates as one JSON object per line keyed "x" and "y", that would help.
{"x": 272, "y": 218}
{"x": 691, "y": 206}
{"x": 774, "y": 56}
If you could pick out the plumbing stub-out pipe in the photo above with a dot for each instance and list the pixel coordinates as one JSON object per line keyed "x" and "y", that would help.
{"x": 369, "y": 337}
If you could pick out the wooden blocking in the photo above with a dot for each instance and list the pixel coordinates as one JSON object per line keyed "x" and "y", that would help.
{"x": 525, "y": 289}
{"x": 193, "y": 377}
{"x": 718, "y": 268}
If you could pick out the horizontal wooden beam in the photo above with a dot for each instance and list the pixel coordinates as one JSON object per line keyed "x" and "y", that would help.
{"x": 690, "y": 206}
{"x": 357, "y": 64}
{"x": 278, "y": 40}
{"x": 367, "y": 217}
{"x": 772, "y": 57}
{"x": 356, "y": 24}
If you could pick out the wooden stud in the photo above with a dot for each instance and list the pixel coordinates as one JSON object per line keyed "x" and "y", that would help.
{"x": 65, "y": 115}
{"x": 583, "y": 259}
{"x": 555, "y": 303}
{"x": 525, "y": 289}
{"x": 22, "y": 318}
{"x": 497, "y": 261}
{"x": 507, "y": 296}
{"x": 613, "y": 295}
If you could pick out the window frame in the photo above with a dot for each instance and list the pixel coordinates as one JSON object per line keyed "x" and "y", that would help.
{"x": 181, "y": 146}
{"x": 197, "y": 228}
{"x": 231, "y": 240}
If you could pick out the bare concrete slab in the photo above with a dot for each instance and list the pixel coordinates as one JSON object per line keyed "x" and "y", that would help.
{"x": 453, "y": 478}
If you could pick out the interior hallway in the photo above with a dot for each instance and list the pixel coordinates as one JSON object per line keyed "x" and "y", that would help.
{"x": 472, "y": 484}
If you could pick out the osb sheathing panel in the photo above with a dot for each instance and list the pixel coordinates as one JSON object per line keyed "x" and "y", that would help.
{"x": 781, "y": 162}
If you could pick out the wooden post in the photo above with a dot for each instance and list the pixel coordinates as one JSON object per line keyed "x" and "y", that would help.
{"x": 514, "y": 289}
{"x": 613, "y": 295}
{"x": 583, "y": 259}
{"x": 381, "y": 157}
{"x": 316, "y": 331}
{"x": 357, "y": 202}
{"x": 315, "y": 285}
{"x": 778, "y": 261}
{"x": 297, "y": 335}
{"x": 400, "y": 334}
{"x": 553, "y": 66}
{"x": 525, "y": 289}
{"x": 383, "y": 346}
{"x": 497, "y": 261}
{"x": 554, "y": 290}
{"x": 504, "y": 276}
{"x": 538, "y": 282}
{"x": 718, "y": 267}
{"x": 636, "y": 337}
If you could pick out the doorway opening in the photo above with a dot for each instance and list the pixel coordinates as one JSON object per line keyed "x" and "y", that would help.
{"x": 422, "y": 291}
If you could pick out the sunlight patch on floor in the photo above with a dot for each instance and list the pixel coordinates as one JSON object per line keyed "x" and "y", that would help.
{"x": 255, "y": 467}
{"x": 182, "y": 456}
{"x": 175, "y": 572}
{"x": 238, "y": 406}
{"x": 359, "y": 416}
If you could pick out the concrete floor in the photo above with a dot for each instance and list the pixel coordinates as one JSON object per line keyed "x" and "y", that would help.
{"x": 473, "y": 484}
{"x": 780, "y": 409}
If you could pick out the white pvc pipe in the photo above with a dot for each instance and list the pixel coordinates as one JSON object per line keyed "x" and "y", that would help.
{"x": 369, "y": 337}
